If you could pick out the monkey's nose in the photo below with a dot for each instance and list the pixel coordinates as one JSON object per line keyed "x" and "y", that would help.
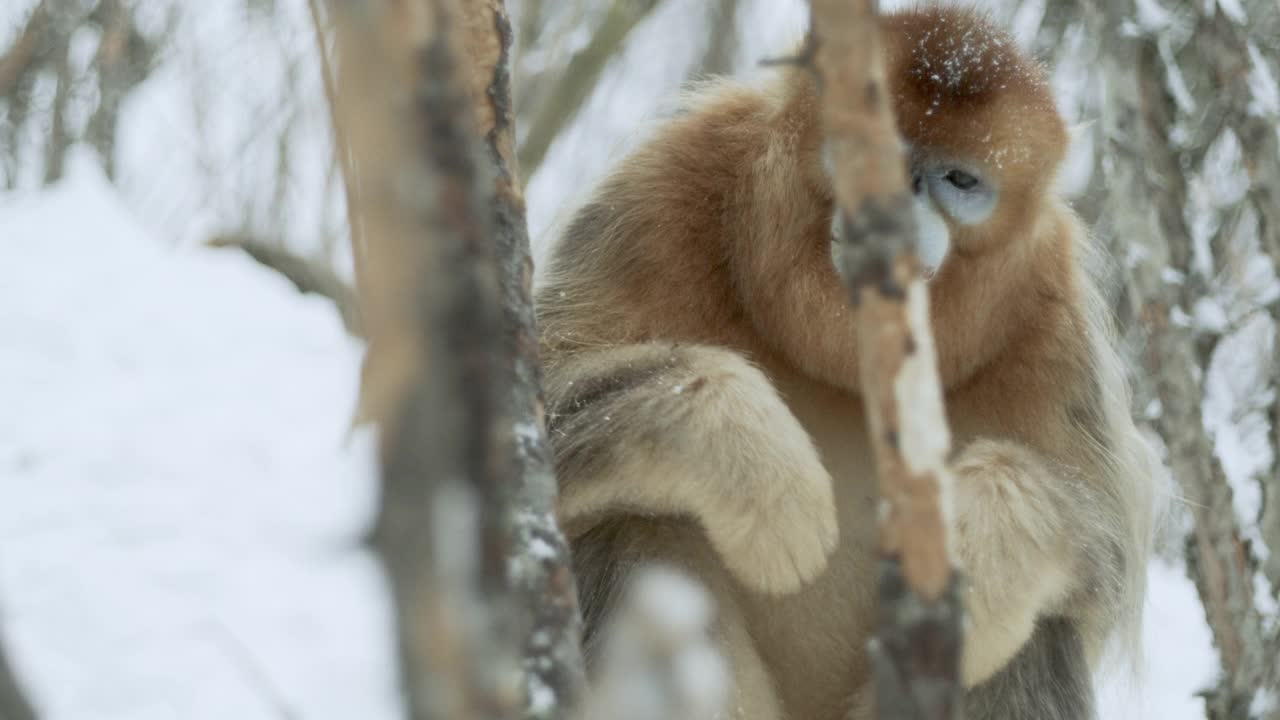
{"x": 917, "y": 183}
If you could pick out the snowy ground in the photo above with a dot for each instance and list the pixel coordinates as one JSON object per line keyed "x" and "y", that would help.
{"x": 181, "y": 507}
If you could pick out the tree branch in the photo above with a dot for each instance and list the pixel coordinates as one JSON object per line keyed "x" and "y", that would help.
{"x": 916, "y": 650}
{"x": 20, "y": 55}
{"x": 13, "y": 704}
{"x": 307, "y": 275}
{"x": 341, "y": 149}
{"x": 545, "y": 594}
{"x": 579, "y": 78}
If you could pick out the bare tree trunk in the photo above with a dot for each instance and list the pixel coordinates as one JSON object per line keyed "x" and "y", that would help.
{"x": 58, "y": 141}
{"x": 916, "y": 650}
{"x": 544, "y": 591}
{"x": 123, "y": 60}
{"x": 1168, "y": 98}
{"x": 13, "y": 704}
{"x": 722, "y": 39}
{"x": 18, "y": 58}
{"x": 433, "y": 372}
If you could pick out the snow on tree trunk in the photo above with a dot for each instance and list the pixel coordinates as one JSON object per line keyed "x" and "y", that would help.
{"x": 546, "y": 596}
{"x": 1189, "y": 116}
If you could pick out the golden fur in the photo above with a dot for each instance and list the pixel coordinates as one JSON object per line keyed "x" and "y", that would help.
{"x": 703, "y": 396}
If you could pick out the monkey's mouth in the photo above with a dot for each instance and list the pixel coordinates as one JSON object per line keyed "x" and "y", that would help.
{"x": 927, "y": 272}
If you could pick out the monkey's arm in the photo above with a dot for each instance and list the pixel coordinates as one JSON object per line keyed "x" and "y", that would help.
{"x": 1030, "y": 534}
{"x": 657, "y": 429}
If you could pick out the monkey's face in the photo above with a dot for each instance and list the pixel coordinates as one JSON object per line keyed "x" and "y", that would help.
{"x": 983, "y": 142}
{"x": 948, "y": 195}
{"x": 946, "y": 192}
{"x": 984, "y": 137}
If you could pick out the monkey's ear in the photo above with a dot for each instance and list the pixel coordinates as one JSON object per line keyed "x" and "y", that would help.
{"x": 1077, "y": 167}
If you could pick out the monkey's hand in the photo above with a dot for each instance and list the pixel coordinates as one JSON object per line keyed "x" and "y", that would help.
{"x": 1015, "y": 535}
{"x": 695, "y": 431}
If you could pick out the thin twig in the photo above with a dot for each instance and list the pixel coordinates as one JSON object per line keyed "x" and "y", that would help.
{"x": 342, "y": 148}
{"x": 256, "y": 674}
{"x": 578, "y": 80}
{"x": 307, "y": 275}
{"x": 14, "y": 63}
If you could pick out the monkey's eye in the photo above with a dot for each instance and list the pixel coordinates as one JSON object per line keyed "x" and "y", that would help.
{"x": 962, "y": 179}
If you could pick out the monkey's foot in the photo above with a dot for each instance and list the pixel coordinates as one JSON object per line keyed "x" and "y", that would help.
{"x": 778, "y": 547}
{"x": 1009, "y": 543}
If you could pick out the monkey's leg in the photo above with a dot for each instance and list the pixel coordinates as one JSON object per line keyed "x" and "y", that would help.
{"x": 1035, "y": 541}
{"x": 605, "y": 558}
{"x": 697, "y": 432}
{"x": 1049, "y": 679}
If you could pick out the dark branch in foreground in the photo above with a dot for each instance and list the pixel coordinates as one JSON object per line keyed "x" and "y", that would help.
{"x": 433, "y": 370}
{"x": 544, "y": 594}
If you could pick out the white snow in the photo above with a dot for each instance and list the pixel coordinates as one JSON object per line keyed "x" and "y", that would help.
{"x": 1237, "y": 401}
{"x": 1224, "y": 175}
{"x": 1234, "y": 10}
{"x": 1152, "y": 16}
{"x": 1179, "y": 659}
{"x": 1262, "y": 82}
{"x": 181, "y": 509}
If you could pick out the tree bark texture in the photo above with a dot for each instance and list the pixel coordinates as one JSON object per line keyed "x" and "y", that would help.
{"x": 433, "y": 372}
{"x": 545, "y": 596}
{"x": 1170, "y": 92}
{"x": 916, "y": 650}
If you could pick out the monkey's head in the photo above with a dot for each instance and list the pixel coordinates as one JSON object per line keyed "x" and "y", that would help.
{"x": 984, "y": 141}
{"x": 984, "y": 138}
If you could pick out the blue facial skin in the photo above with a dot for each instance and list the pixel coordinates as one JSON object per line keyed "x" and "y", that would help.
{"x": 941, "y": 189}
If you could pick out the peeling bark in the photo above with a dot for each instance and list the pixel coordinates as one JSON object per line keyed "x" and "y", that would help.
{"x": 544, "y": 591}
